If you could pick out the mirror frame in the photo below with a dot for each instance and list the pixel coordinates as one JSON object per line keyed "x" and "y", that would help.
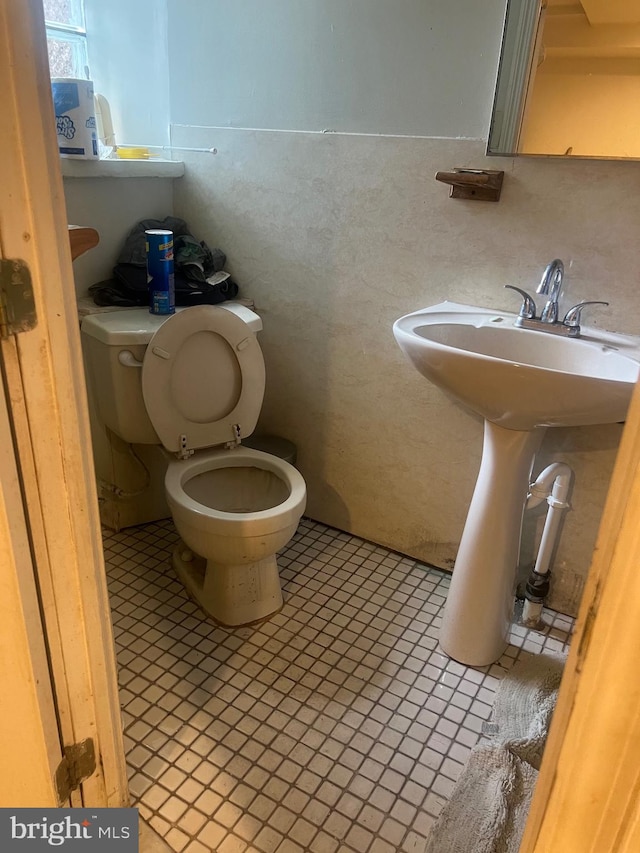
{"x": 521, "y": 36}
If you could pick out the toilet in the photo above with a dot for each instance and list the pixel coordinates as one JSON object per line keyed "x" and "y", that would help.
{"x": 194, "y": 382}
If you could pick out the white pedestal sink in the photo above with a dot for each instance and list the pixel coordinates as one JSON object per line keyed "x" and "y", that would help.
{"x": 521, "y": 381}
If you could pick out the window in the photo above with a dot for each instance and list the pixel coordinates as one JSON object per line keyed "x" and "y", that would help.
{"x": 66, "y": 38}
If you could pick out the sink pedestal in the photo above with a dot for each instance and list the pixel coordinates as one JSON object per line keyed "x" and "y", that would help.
{"x": 520, "y": 378}
{"x": 479, "y": 606}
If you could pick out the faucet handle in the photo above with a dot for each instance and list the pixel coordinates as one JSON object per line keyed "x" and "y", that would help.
{"x": 573, "y": 316}
{"x": 528, "y": 307}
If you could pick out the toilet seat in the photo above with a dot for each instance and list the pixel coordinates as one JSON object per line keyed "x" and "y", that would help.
{"x": 203, "y": 379}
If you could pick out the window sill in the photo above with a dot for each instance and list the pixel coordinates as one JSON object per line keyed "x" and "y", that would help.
{"x": 121, "y": 168}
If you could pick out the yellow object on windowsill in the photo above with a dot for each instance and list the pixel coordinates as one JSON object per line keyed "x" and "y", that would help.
{"x": 130, "y": 153}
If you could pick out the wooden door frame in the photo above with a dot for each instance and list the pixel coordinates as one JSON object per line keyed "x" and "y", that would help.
{"x": 587, "y": 798}
{"x": 30, "y": 742}
{"x": 44, "y": 381}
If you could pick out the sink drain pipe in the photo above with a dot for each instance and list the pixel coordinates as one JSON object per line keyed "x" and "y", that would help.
{"x": 552, "y": 485}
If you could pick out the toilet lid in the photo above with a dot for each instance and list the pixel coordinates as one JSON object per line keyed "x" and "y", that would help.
{"x": 202, "y": 379}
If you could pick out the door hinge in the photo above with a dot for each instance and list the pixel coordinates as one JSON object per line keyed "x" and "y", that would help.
{"x": 17, "y": 305}
{"x": 78, "y": 764}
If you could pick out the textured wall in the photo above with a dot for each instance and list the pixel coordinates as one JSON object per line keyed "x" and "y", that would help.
{"x": 335, "y": 236}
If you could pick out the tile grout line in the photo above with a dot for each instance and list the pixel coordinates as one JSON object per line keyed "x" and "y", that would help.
{"x": 332, "y": 657}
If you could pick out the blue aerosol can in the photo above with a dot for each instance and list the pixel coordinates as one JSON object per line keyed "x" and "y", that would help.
{"x": 160, "y": 280}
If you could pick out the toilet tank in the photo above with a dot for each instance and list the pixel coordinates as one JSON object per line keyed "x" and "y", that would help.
{"x": 114, "y": 343}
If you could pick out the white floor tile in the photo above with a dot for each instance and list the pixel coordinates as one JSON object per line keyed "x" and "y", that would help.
{"x": 337, "y": 725}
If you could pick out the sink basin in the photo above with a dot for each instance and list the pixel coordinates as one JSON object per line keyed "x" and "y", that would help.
{"x": 519, "y": 378}
{"x": 521, "y": 381}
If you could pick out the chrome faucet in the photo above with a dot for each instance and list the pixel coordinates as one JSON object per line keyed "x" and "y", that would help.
{"x": 550, "y": 285}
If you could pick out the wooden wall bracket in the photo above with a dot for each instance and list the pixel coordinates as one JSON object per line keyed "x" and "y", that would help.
{"x": 81, "y": 240}
{"x": 473, "y": 184}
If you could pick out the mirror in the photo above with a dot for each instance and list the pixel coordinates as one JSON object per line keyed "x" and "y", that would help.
{"x": 569, "y": 80}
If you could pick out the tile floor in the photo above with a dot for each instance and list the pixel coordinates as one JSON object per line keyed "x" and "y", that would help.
{"x": 338, "y": 725}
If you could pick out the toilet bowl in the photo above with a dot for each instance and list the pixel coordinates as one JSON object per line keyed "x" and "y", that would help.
{"x": 234, "y": 509}
{"x": 194, "y": 382}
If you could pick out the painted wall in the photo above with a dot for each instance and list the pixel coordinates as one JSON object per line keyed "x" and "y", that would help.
{"x": 112, "y": 206}
{"x": 363, "y": 66}
{"x": 127, "y": 42}
{"x": 336, "y": 235}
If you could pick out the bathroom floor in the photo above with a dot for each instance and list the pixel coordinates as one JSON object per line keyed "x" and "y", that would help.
{"x": 337, "y": 725}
